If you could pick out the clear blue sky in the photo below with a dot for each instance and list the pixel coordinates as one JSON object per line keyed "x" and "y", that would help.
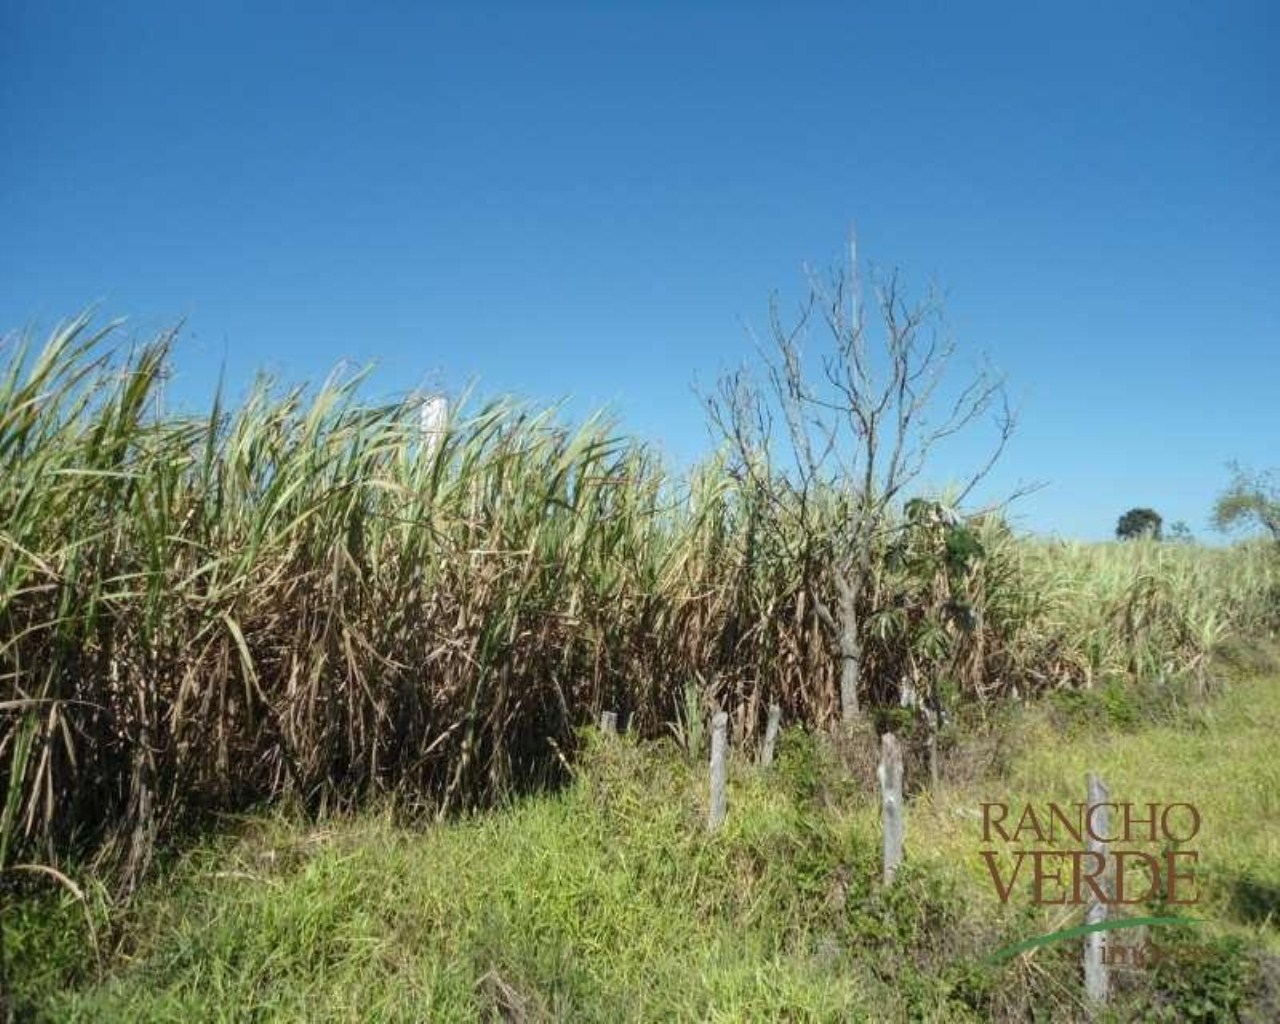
{"x": 590, "y": 200}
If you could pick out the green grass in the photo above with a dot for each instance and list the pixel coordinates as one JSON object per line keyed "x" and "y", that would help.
{"x": 608, "y": 902}
{"x": 604, "y": 903}
{"x": 1219, "y": 757}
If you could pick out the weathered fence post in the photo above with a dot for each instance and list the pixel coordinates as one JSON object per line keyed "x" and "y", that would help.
{"x": 609, "y": 723}
{"x": 719, "y": 769}
{"x": 931, "y": 714}
{"x": 1098, "y": 824}
{"x": 889, "y": 773}
{"x": 771, "y": 735}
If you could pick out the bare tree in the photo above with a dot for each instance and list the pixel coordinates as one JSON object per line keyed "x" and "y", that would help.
{"x": 858, "y": 432}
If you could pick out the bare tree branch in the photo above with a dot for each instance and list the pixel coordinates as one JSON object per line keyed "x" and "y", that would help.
{"x": 856, "y": 434}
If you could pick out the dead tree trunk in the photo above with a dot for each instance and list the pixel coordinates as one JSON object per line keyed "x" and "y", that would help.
{"x": 850, "y": 652}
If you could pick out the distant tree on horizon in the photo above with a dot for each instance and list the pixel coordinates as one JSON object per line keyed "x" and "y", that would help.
{"x": 1180, "y": 533}
{"x": 1140, "y": 522}
{"x": 1251, "y": 499}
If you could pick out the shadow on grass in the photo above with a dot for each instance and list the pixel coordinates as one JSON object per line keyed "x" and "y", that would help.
{"x": 1254, "y": 902}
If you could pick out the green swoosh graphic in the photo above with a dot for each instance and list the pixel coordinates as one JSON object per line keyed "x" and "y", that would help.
{"x": 1084, "y": 929}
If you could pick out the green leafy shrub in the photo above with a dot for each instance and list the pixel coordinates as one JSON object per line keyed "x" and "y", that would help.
{"x": 1198, "y": 978}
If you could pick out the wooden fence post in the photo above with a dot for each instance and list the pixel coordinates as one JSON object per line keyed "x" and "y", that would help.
{"x": 609, "y": 723}
{"x": 889, "y": 773}
{"x": 932, "y": 717}
{"x": 719, "y": 769}
{"x": 771, "y": 736}
{"x": 1096, "y": 987}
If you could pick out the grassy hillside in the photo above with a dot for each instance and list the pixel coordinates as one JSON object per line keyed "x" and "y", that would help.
{"x": 609, "y": 902}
